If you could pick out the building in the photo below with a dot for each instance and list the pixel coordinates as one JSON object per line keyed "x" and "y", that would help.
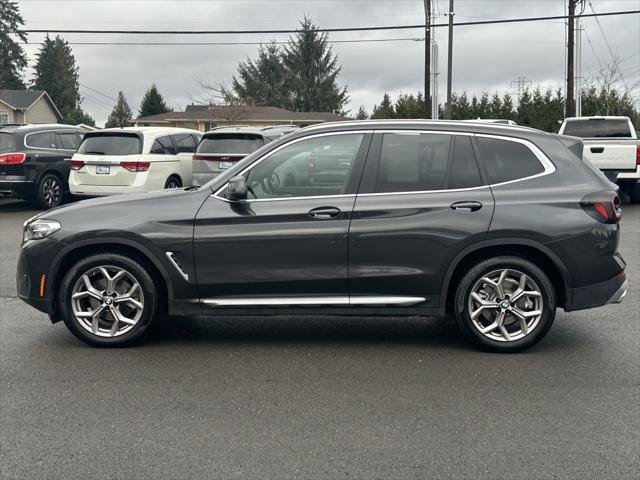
{"x": 27, "y": 106}
{"x": 206, "y": 117}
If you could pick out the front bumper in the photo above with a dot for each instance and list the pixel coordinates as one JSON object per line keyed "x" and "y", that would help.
{"x": 34, "y": 281}
{"x": 610, "y": 291}
{"x": 18, "y": 187}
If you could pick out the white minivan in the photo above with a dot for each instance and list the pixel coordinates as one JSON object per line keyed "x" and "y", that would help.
{"x": 133, "y": 159}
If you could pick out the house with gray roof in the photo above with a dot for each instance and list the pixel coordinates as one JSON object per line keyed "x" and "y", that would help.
{"x": 27, "y": 106}
{"x": 206, "y": 117}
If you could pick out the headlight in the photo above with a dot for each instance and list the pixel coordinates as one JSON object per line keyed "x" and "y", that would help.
{"x": 40, "y": 229}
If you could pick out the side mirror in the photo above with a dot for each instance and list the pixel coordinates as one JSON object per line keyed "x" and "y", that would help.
{"x": 237, "y": 188}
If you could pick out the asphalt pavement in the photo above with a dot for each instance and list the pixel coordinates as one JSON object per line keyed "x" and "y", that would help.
{"x": 319, "y": 398}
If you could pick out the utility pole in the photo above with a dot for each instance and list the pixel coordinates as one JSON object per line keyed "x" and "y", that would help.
{"x": 427, "y": 58}
{"x": 570, "y": 106}
{"x": 578, "y": 71}
{"x": 435, "y": 114}
{"x": 447, "y": 112}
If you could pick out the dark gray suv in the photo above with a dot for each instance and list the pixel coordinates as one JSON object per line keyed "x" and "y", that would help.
{"x": 496, "y": 225}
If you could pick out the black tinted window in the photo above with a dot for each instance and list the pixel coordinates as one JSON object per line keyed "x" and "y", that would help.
{"x": 505, "y": 160}
{"x": 184, "y": 143}
{"x": 464, "y": 168}
{"x": 68, "y": 141}
{"x": 41, "y": 140}
{"x": 111, "y": 144}
{"x": 163, "y": 146}
{"x": 236, "y": 143}
{"x": 413, "y": 162}
{"x": 6, "y": 142}
{"x": 594, "y": 128}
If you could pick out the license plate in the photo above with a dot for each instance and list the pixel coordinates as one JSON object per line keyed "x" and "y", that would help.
{"x": 225, "y": 165}
{"x": 103, "y": 169}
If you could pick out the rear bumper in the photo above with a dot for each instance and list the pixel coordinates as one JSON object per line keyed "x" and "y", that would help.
{"x": 18, "y": 187}
{"x": 610, "y": 291}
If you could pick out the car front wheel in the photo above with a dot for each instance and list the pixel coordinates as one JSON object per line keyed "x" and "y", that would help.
{"x": 108, "y": 300}
{"x": 505, "y": 304}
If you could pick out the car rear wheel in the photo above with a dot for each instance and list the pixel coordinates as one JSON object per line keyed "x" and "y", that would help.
{"x": 108, "y": 300}
{"x": 173, "y": 182}
{"x": 505, "y": 304}
{"x": 50, "y": 191}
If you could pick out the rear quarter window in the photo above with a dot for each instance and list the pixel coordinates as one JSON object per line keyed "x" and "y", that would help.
{"x": 111, "y": 144}
{"x": 505, "y": 160}
{"x": 234, "y": 143}
{"x": 597, "y": 128}
{"x": 40, "y": 140}
{"x": 7, "y": 142}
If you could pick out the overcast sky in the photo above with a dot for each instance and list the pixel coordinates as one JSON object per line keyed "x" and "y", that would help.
{"x": 486, "y": 58}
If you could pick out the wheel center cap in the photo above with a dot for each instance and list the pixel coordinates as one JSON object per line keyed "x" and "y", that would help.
{"x": 505, "y": 304}
{"x": 107, "y": 300}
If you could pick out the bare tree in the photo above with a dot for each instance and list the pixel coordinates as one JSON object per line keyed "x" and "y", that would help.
{"x": 216, "y": 94}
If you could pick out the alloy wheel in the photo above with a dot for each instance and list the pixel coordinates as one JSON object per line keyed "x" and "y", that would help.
{"x": 505, "y": 305}
{"x": 107, "y": 301}
{"x": 51, "y": 191}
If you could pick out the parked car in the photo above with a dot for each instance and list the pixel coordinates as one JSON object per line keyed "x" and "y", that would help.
{"x": 33, "y": 162}
{"x": 497, "y": 225}
{"x": 611, "y": 144}
{"x": 222, "y": 147}
{"x": 133, "y": 159}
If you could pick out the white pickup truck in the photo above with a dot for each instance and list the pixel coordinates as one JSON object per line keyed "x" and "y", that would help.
{"x": 610, "y": 144}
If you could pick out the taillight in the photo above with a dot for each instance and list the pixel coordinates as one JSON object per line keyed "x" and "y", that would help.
{"x": 603, "y": 206}
{"x": 136, "y": 166}
{"x": 638, "y": 155}
{"x": 12, "y": 158}
{"x": 76, "y": 164}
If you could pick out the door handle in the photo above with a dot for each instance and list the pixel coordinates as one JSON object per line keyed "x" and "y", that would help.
{"x": 597, "y": 149}
{"x": 466, "y": 206}
{"x": 324, "y": 213}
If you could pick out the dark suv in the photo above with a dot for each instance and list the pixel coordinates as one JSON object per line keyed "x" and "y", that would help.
{"x": 33, "y": 162}
{"x": 497, "y": 225}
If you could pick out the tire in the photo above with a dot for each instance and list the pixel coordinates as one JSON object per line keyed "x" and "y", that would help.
{"x": 499, "y": 318}
{"x": 139, "y": 311}
{"x": 173, "y": 182}
{"x": 49, "y": 191}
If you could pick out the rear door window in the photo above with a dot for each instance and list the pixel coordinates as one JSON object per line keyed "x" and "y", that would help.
{"x": 163, "y": 146}
{"x": 231, "y": 143}
{"x": 7, "y": 142}
{"x": 505, "y": 160}
{"x": 184, "y": 143}
{"x": 596, "y": 128}
{"x": 413, "y": 162}
{"x": 464, "y": 167}
{"x": 111, "y": 144}
{"x": 41, "y": 140}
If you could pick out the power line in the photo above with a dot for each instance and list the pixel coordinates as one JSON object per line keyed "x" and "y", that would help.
{"x": 98, "y": 92}
{"x": 323, "y": 30}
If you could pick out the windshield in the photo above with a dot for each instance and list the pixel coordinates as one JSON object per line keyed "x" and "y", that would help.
{"x": 6, "y": 142}
{"x": 596, "y": 128}
{"x": 236, "y": 143}
{"x": 111, "y": 144}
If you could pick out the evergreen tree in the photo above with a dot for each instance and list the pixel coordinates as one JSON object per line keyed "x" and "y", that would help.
{"x": 408, "y": 106}
{"x": 263, "y": 81}
{"x": 507, "y": 111}
{"x": 385, "y": 109}
{"x": 311, "y": 72}
{"x": 362, "y": 113}
{"x": 77, "y": 116}
{"x": 153, "y": 103}
{"x": 460, "y": 107}
{"x": 484, "y": 110}
{"x": 12, "y": 58}
{"x": 495, "y": 106}
{"x": 57, "y": 73}
{"x": 121, "y": 113}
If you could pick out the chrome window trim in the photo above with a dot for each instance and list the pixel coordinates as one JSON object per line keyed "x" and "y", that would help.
{"x": 341, "y": 300}
{"x": 296, "y": 140}
{"x": 546, "y": 163}
{"x": 48, "y": 131}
